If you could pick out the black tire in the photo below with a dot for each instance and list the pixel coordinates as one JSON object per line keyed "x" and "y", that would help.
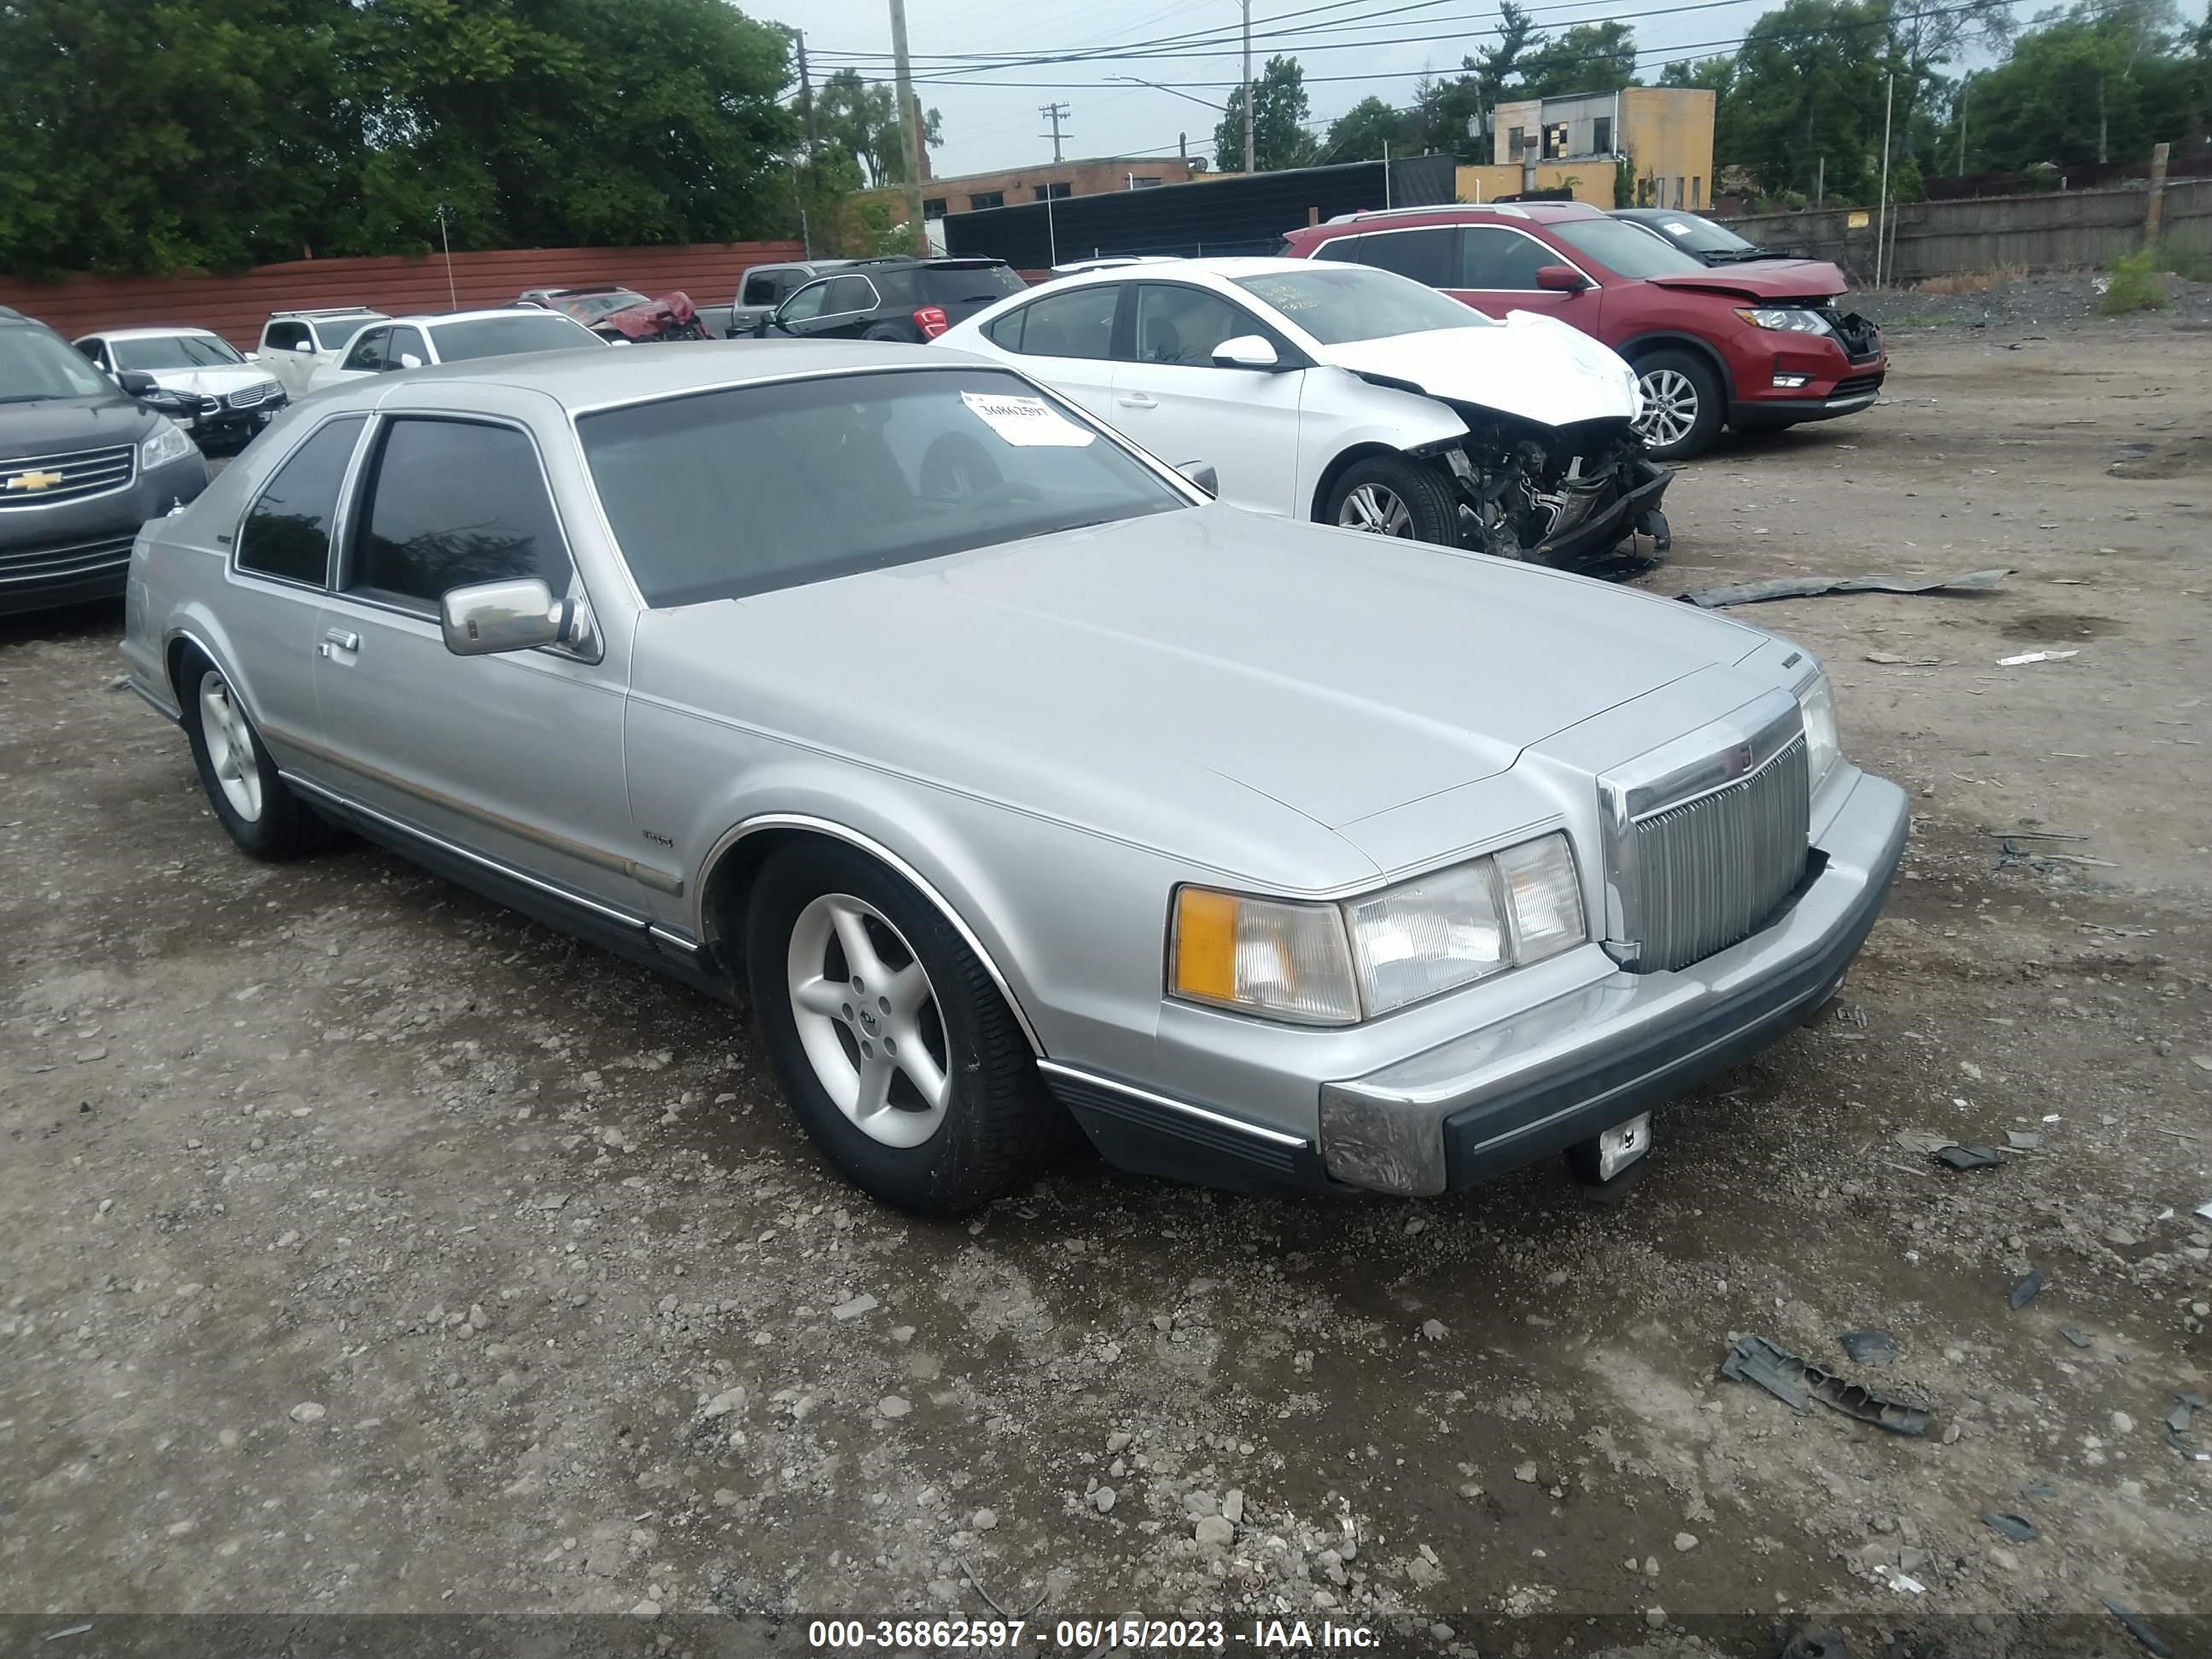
{"x": 999, "y": 1127}
{"x": 1693, "y": 404}
{"x": 282, "y": 827}
{"x": 886, "y": 332}
{"x": 1432, "y": 513}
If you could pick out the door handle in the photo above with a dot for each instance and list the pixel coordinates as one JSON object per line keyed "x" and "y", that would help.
{"x": 342, "y": 640}
{"x": 1137, "y": 400}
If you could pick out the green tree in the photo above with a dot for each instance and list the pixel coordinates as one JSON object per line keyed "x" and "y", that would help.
{"x": 863, "y": 118}
{"x": 1807, "y": 87}
{"x": 1587, "y": 57}
{"x": 1279, "y": 112}
{"x": 1362, "y": 132}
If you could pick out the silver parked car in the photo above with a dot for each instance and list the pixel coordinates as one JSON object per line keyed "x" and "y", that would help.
{"x": 1019, "y": 783}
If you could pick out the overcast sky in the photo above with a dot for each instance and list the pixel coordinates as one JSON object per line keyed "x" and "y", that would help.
{"x": 1349, "y": 50}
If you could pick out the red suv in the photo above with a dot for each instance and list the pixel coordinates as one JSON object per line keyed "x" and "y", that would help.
{"x": 1749, "y": 345}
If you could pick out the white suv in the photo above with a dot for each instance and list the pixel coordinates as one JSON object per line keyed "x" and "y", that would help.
{"x": 296, "y": 344}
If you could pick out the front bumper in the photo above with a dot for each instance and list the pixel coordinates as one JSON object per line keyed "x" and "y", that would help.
{"x": 1496, "y": 1098}
{"x": 1596, "y": 535}
{"x": 80, "y": 550}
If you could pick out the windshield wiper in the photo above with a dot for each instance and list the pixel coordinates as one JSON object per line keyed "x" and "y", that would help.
{"x": 32, "y": 397}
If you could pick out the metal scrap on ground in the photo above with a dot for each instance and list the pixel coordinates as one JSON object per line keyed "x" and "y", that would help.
{"x": 1807, "y": 587}
{"x": 2143, "y": 1632}
{"x": 1793, "y": 1383}
{"x": 2024, "y": 1292}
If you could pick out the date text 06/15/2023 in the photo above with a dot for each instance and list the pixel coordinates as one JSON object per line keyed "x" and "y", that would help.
{"x": 1011, "y": 1635}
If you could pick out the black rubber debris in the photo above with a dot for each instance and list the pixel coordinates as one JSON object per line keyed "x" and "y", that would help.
{"x": 2024, "y": 1292}
{"x": 1969, "y": 1157}
{"x": 2143, "y": 1632}
{"x": 1797, "y": 1384}
{"x": 2018, "y": 1527}
{"x": 2074, "y": 1336}
{"x": 1870, "y": 1347}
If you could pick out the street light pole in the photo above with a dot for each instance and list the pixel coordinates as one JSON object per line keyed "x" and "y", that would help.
{"x": 1248, "y": 86}
{"x": 909, "y": 132}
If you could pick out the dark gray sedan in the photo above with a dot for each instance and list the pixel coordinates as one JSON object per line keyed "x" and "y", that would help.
{"x": 1021, "y": 785}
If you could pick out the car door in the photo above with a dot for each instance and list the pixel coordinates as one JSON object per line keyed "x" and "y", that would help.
{"x": 405, "y": 348}
{"x": 515, "y": 759}
{"x": 287, "y": 352}
{"x": 365, "y": 356}
{"x": 1170, "y": 397}
{"x": 1498, "y": 274}
{"x": 280, "y": 559}
{"x": 94, "y": 352}
{"x": 1064, "y": 338}
{"x": 826, "y": 308}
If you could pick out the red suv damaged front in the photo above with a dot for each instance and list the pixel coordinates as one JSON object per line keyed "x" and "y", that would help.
{"x": 1758, "y": 344}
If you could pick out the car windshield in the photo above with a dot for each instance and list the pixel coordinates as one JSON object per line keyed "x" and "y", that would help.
{"x": 33, "y": 364}
{"x": 331, "y": 332}
{"x": 1624, "y": 250}
{"x": 504, "y": 337}
{"x": 1700, "y": 235}
{"x": 1338, "y": 304}
{"x": 174, "y": 351}
{"x": 590, "y": 307}
{"x": 963, "y": 284}
{"x": 745, "y": 489}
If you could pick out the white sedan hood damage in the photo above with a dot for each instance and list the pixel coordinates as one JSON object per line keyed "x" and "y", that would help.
{"x": 1532, "y": 367}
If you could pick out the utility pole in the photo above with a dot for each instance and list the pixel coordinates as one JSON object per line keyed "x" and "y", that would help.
{"x": 2156, "y": 207}
{"x": 1247, "y": 87}
{"x": 2101, "y": 156}
{"x": 806, "y": 96}
{"x": 909, "y": 132}
{"x": 1055, "y": 114}
{"x": 1966, "y": 87}
{"x": 1881, "y": 227}
{"x": 445, "y": 236}
{"x": 1820, "y": 182}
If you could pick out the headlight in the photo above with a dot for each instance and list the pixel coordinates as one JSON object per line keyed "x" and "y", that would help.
{"x": 169, "y": 442}
{"x": 1817, "y": 704}
{"x": 1786, "y": 319}
{"x": 1330, "y": 964}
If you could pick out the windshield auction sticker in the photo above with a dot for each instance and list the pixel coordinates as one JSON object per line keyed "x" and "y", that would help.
{"x": 1026, "y": 422}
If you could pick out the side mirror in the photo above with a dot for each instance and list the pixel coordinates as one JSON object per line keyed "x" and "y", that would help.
{"x": 409, "y": 360}
{"x": 305, "y": 345}
{"x": 138, "y": 383}
{"x": 760, "y": 325}
{"x": 489, "y": 617}
{"x": 1246, "y": 351}
{"x": 1202, "y": 474}
{"x": 1561, "y": 279}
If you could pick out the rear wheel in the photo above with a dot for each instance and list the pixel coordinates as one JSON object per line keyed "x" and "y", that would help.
{"x": 260, "y": 813}
{"x": 901, "y": 1059}
{"x": 885, "y": 332}
{"x": 1682, "y": 405}
{"x": 1389, "y": 496}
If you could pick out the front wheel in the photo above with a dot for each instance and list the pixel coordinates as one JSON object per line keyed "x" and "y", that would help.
{"x": 900, "y": 1058}
{"x": 1682, "y": 405}
{"x": 1390, "y": 495}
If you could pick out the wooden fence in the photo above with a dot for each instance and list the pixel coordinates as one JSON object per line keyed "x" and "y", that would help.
{"x": 2065, "y": 230}
{"x": 236, "y": 307}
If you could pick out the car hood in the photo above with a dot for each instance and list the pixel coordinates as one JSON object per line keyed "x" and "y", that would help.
{"x": 1177, "y": 679}
{"x": 55, "y": 425}
{"x": 1531, "y": 365}
{"x": 1765, "y": 279}
{"x": 211, "y": 382}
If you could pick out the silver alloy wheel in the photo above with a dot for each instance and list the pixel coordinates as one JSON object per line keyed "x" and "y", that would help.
{"x": 1670, "y": 407}
{"x": 872, "y": 1031}
{"x": 230, "y": 747}
{"x": 1377, "y": 510}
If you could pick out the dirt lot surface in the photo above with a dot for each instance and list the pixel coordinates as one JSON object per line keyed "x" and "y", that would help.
{"x": 367, "y": 1248}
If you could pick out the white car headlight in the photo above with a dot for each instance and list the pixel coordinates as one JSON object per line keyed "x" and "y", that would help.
{"x": 1823, "y": 748}
{"x": 169, "y": 442}
{"x": 1784, "y": 319}
{"x": 1332, "y": 965}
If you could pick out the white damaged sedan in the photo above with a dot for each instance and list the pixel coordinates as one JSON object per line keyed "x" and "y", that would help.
{"x": 1352, "y": 397}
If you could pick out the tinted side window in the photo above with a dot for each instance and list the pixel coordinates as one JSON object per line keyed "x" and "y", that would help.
{"x": 760, "y": 288}
{"x": 452, "y": 503}
{"x": 287, "y": 530}
{"x": 849, "y": 293}
{"x": 1493, "y": 257}
{"x": 368, "y": 351}
{"x": 405, "y": 342}
{"x": 1426, "y": 256}
{"x": 1077, "y": 324}
{"x": 284, "y": 336}
{"x": 1183, "y": 325}
{"x": 1346, "y": 250}
{"x": 807, "y": 302}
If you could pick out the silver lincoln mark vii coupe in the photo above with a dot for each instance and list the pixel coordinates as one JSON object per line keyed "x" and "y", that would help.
{"x": 1020, "y": 784}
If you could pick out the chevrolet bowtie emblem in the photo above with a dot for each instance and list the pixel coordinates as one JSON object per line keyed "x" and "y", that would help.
{"x": 33, "y": 481}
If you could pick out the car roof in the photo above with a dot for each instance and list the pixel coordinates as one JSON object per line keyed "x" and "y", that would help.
{"x": 150, "y": 333}
{"x": 1222, "y": 269}
{"x": 1542, "y": 213}
{"x": 594, "y": 377}
{"x": 437, "y": 318}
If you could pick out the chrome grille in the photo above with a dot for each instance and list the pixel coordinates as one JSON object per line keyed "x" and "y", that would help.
{"x": 1710, "y": 872}
{"x": 43, "y": 480}
{"x": 254, "y": 396}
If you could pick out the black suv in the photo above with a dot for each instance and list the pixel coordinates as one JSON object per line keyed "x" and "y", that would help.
{"x": 82, "y": 464}
{"x": 902, "y": 299}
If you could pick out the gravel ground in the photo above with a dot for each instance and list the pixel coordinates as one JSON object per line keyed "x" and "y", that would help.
{"x": 369, "y": 1248}
{"x": 2060, "y": 298}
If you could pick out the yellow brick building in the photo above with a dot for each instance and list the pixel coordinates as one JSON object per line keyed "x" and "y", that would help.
{"x": 1575, "y": 143}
